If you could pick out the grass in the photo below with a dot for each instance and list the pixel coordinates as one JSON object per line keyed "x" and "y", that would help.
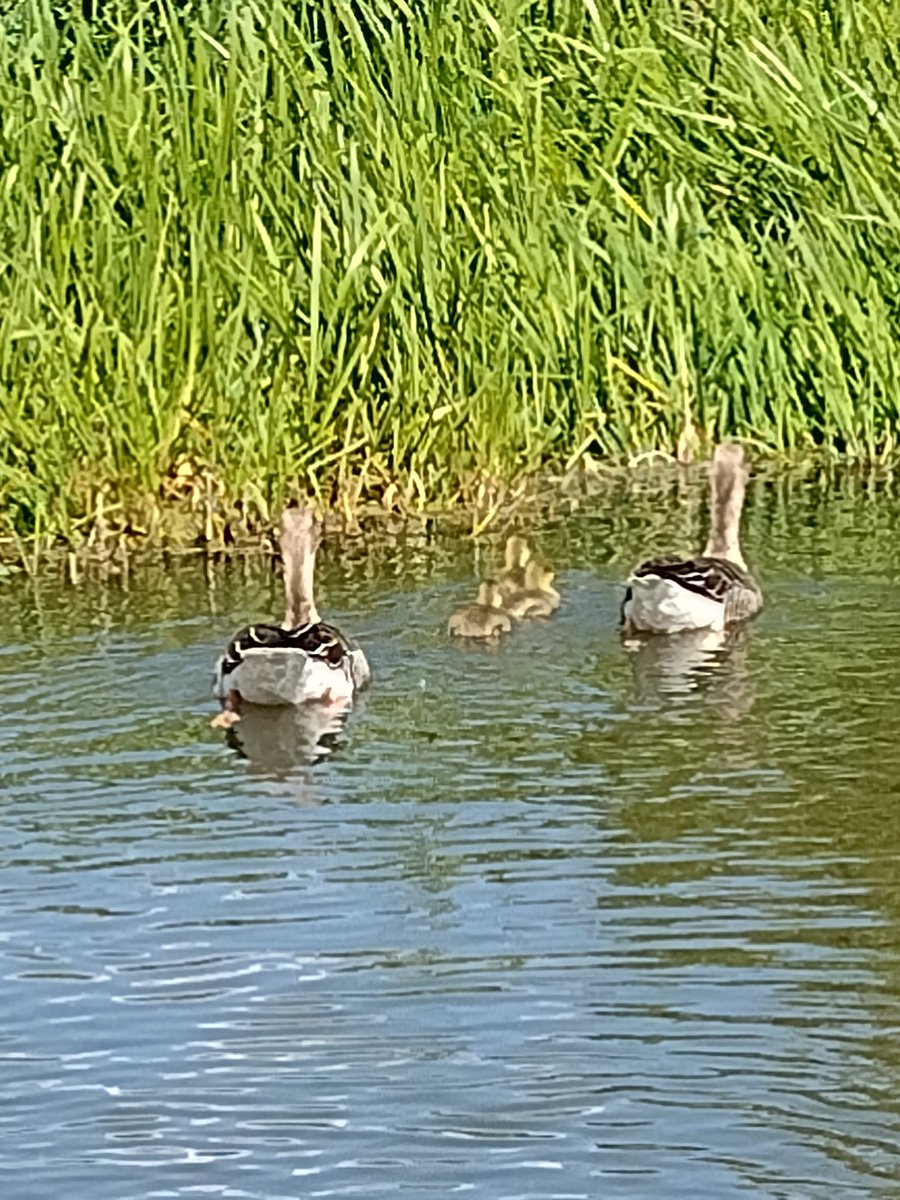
{"x": 394, "y": 250}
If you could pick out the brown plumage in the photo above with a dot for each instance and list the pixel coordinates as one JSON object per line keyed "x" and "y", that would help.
{"x": 483, "y": 619}
{"x": 517, "y": 556}
{"x": 537, "y": 598}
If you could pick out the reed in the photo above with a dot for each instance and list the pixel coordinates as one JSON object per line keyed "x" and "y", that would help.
{"x": 371, "y": 248}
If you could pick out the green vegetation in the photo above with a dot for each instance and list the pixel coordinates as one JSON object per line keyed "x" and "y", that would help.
{"x": 392, "y": 249}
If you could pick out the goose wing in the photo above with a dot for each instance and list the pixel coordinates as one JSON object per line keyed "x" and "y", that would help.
{"x": 319, "y": 640}
{"x": 714, "y": 578}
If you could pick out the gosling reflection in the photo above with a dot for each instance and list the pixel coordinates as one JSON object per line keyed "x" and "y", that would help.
{"x": 697, "y": 664}
{"x": 282, "y": 739}
{"x": 522, "y": 591}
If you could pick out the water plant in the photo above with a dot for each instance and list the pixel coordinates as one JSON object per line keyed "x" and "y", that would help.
{"x": 396, "y": 249}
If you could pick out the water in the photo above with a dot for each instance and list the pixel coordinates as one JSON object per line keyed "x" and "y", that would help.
{"x": 556, "y": 921}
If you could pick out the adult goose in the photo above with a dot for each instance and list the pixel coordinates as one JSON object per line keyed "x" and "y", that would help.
{"x": 671, "y": 594}
{"x": 305, "y": 659}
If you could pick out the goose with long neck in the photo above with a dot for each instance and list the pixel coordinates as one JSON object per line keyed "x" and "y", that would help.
{"x": 305, "y": 660}
{"x": 671, "y": 594}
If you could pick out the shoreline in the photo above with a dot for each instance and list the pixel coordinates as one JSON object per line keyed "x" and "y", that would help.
{"x": 119, "y": 535}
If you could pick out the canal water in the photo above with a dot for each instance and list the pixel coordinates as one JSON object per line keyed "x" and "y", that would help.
{"x": 565, "y": 919}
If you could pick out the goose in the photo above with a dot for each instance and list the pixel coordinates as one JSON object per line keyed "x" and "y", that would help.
{"x": 483, "y": 619}
{"x": 538, "y": 598}
{"x": 671, "y": 594}
{"x": 305, "y": 659}
{"x": 517, "y": 556}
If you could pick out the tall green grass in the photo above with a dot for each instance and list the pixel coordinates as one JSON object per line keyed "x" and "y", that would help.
{"x": 403, "y": 245}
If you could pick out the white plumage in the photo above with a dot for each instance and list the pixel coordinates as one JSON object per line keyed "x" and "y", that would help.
{"x": 287, "y": 675}
{"x": 659, "y": 605}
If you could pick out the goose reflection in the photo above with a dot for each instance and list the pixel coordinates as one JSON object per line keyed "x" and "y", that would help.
{"x": 701, "y": 663}
{"x": 280, "y": 740}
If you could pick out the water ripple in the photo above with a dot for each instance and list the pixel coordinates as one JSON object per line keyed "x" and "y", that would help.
{"x": 558, "y": 921}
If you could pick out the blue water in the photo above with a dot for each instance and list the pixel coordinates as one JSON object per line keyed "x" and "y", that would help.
{"x": 556, "y": 921}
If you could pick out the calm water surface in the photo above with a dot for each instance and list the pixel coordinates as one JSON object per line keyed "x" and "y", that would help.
{"x": 557, "y": 921}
